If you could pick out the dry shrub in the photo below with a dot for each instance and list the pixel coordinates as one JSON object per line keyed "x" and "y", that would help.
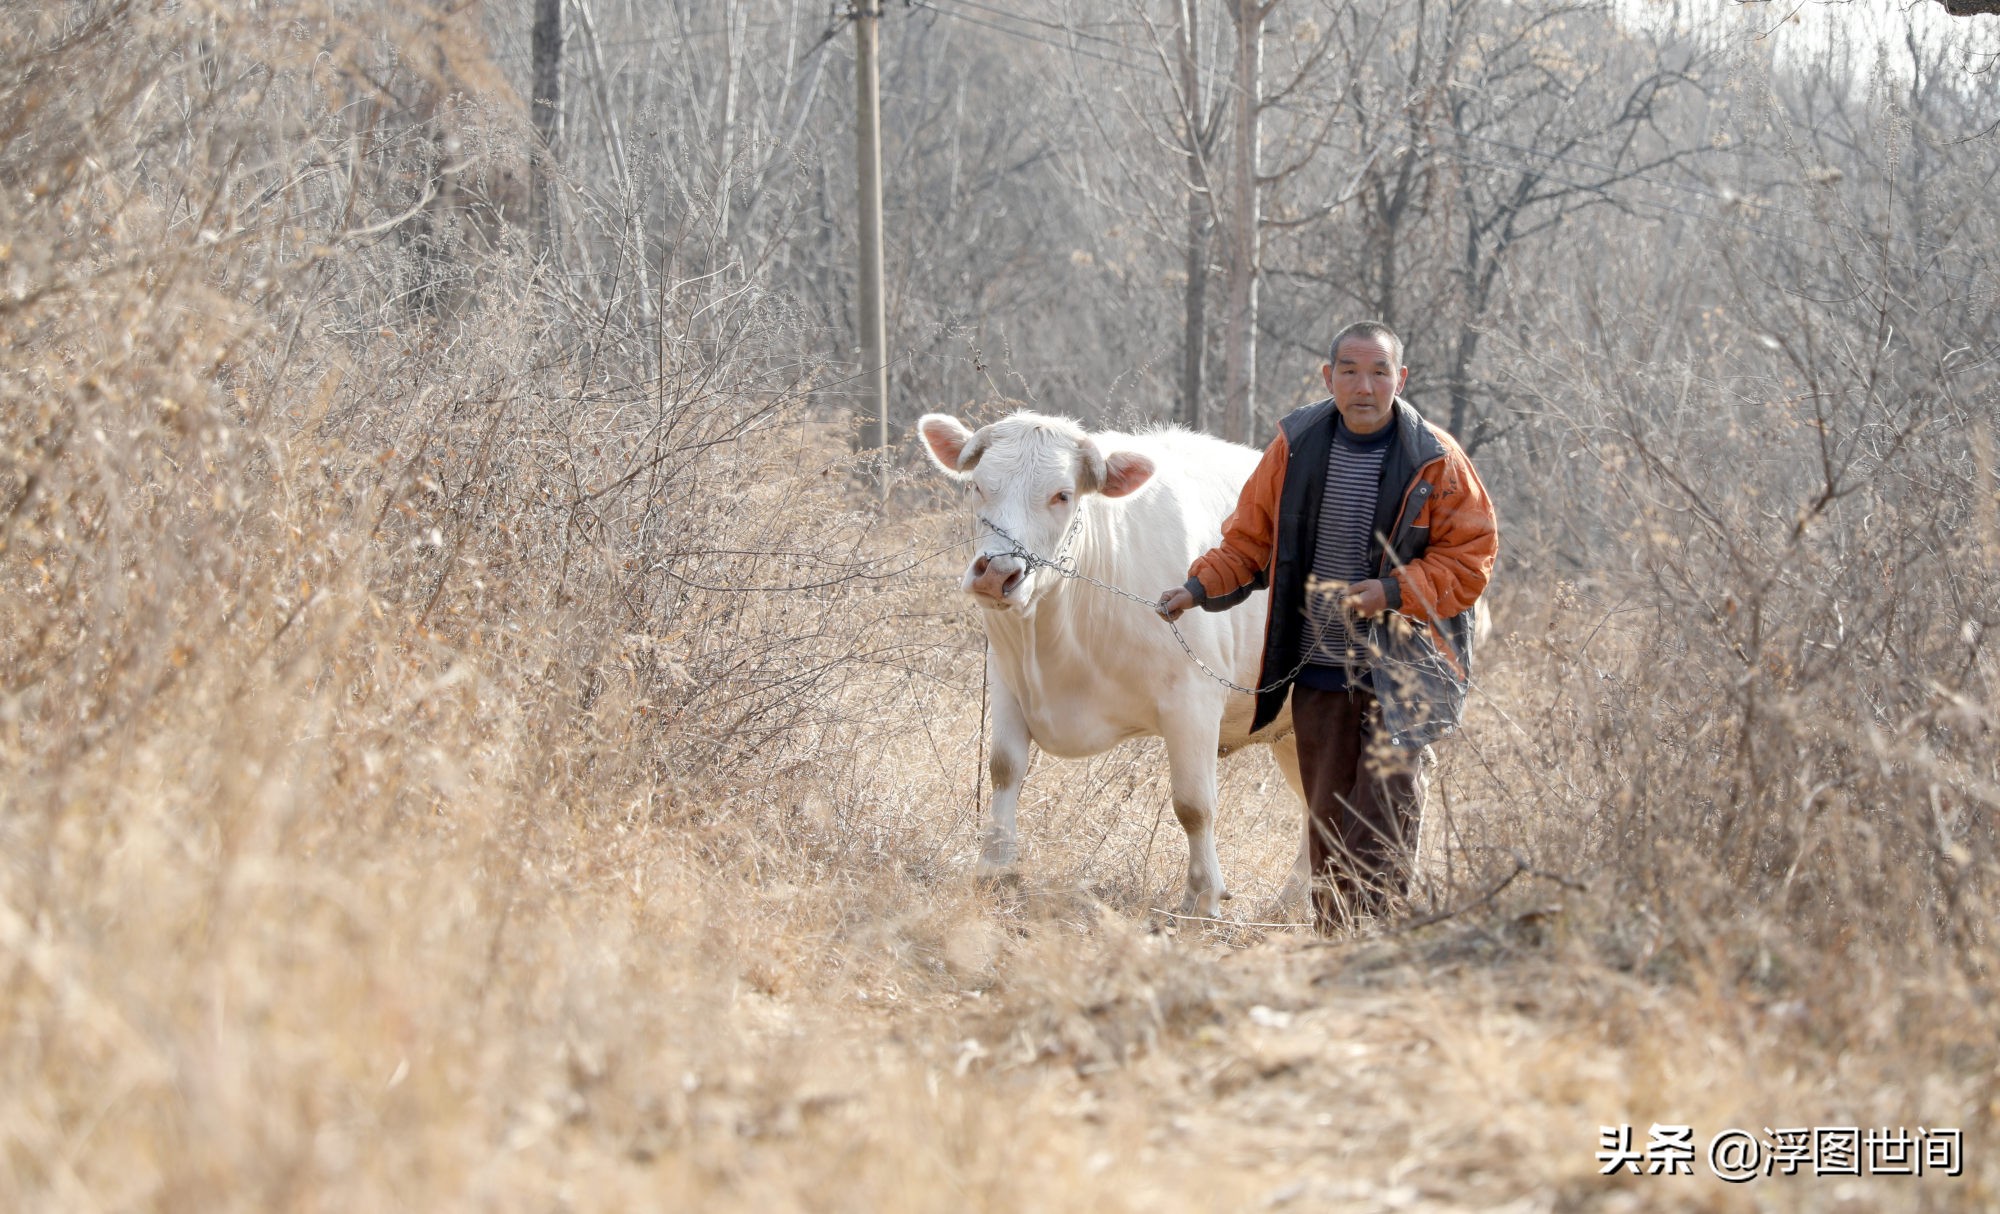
{"x": 1762, "y": 727}
{"x": 392, "y": 716}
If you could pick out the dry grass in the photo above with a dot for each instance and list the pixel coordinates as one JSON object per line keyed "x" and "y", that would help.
{"x": 421, "y": 789}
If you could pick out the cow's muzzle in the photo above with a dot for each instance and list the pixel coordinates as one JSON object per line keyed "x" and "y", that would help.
{"x": 993, "y": 579}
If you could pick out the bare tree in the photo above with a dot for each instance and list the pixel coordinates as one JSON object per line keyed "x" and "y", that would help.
{"x": 545, "y": 111}
{"x": 1199, "y": 129}
{"x": 1495, "y": 126}
{"x": 1239, "y": 324}
{"x": 1195, "y": 112}
{"x": 1587, "y": 131}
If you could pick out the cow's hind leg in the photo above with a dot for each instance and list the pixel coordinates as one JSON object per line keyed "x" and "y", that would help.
{"x": 1292, "y": 895}
{"x": 1191, "y": 737}
{"x": 1008, "y": 765}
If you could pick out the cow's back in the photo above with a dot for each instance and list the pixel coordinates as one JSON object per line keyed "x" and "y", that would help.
{"x": 1208, "y": 477}
{"x": 1194, "y": 487}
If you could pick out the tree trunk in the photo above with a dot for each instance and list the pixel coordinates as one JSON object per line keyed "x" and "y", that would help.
{"x": 1385, "y": 270}
{"x": 545, "y": 113}
{"x": 1200, "y": 222}
{"x": 725, "y": 135}
{"x": 1194, "y": 327}
{"x": 1239, "y": 358}
{"x": 1458, "y": 385}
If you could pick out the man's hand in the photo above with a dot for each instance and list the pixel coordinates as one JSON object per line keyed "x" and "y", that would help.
{"x": 1173, "y": 602}
{"x": 1366, "y": 599}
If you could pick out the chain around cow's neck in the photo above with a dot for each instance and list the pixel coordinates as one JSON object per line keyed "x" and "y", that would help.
{"x": 1034, "y": 560}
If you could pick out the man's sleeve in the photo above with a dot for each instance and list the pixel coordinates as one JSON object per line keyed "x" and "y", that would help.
{"x": 1247, "y": 534}
{"x": 1464, "y": 540}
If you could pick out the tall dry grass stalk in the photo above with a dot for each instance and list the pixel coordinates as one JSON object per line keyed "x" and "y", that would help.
{"x": 468, "y": 745}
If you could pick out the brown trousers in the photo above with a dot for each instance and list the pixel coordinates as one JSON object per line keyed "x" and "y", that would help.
{"x": 1364, "y": 798}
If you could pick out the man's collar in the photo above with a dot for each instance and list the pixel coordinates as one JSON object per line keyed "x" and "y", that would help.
{"x": 1387, "y": 433}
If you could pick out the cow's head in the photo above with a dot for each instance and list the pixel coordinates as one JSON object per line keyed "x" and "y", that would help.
{"x": 1026, "y": 475}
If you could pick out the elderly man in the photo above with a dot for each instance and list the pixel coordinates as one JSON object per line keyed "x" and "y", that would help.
{"x": 1376, "y": 537}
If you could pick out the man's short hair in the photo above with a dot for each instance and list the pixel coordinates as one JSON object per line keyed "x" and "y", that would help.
{"x": 1370, "y": 330}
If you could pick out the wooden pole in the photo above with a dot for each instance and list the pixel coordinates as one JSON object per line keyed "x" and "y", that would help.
{"x": 868, "y": 159}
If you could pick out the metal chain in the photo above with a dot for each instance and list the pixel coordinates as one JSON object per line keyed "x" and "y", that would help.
{"x": 1034, "y": 560}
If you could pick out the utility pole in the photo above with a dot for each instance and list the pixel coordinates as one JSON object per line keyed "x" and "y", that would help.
{"x": 868, "y": 160}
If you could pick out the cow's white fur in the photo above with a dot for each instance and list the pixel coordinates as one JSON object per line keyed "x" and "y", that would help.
{"x": 1077, "y": 670}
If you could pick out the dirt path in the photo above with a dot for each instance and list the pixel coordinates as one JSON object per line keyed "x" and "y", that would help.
{"x": 1142, "y": 1072}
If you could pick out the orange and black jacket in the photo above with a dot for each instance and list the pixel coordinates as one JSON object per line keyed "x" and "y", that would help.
{"x": 1435, "y": 540}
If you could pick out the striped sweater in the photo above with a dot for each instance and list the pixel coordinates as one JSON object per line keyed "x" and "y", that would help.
{"x": 1342, "y": 556}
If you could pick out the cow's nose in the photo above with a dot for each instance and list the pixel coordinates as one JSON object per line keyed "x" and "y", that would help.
{"x": 995, "y": 580}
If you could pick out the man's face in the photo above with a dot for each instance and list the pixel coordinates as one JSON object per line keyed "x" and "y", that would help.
{"x": 1364, "y": 380}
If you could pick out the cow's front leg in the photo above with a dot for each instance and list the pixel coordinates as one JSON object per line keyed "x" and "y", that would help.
{"x": 1192, "y": 731}
{"x": 1008, "y": 765}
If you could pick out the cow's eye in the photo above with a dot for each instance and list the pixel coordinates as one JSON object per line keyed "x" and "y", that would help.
{"x": 1060, "y": 499}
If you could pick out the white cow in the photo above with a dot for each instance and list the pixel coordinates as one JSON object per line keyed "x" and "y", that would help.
{"x": 1077, "y": 669}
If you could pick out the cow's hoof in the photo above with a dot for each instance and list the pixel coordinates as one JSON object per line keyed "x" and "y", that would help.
{"x": 1292, "y": 895}
{"x": 1202, "y": 906}
{"x": 996, "y": 872}
{"x": 1289, "y": 904}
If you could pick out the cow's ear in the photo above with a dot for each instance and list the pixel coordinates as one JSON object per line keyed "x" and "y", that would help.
{"x": 1113, "y": 475}
{"x": 953, "y": 447}
{"x": 1089, "y": 466}
{"x": 1125, "y": 472}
